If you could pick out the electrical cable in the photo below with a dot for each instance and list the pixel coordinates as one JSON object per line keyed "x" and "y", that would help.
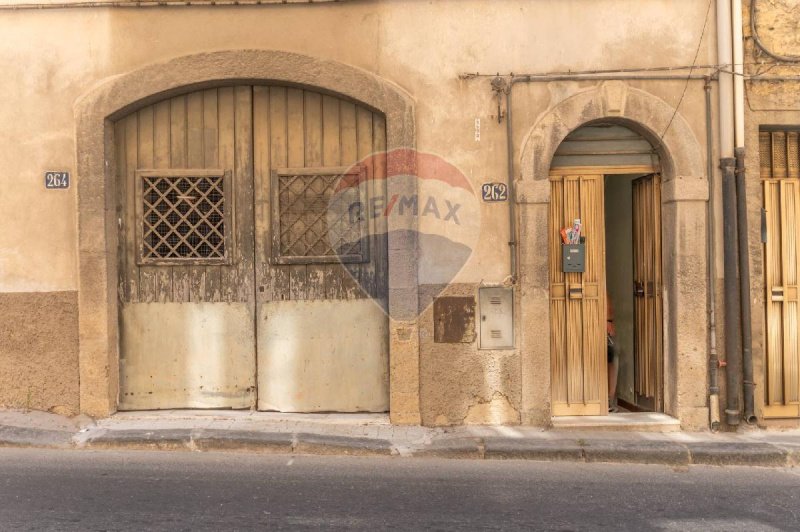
{"x": 689, "y": 76}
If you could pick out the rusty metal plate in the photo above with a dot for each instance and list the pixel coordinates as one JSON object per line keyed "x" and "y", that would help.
{"x": 454, "y": 320}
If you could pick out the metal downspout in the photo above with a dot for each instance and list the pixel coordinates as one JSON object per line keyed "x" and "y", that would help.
{"x": 744, "y": 289}
{"x": 732, "y": 315}
{"x": 512, "y": 197}
{"x": 741, "y": 214}
{"x": 713, "y": 359}
{"x": 733, "y": 355}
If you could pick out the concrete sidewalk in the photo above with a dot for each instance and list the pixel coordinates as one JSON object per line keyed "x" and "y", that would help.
{"x": 372, "y": 434}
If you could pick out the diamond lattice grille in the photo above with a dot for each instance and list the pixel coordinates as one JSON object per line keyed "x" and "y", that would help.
{"x": 183, "y": 218}
{"x": 316, "y": 216}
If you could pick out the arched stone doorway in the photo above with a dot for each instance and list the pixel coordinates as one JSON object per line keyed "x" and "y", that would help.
{"x": 95, "y": 114}
{"x": 683, "y": 201}
{"x": 606, "y": 329}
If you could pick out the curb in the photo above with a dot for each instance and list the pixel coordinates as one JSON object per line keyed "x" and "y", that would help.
{"x": 601, "y": 450}
{"x": 25, "y": 437}
{"x": 544, "y": 451}
{"x": 451, "y": 448}
{"x": 243, "y": 441}
{"x": 727, "y": 454}
{"x": 644, "y": 452}
{"x": 341, "y": 445}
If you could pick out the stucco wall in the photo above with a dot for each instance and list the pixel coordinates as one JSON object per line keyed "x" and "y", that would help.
{"x": 52, "y": 57}
{"x": 39, "y": 351}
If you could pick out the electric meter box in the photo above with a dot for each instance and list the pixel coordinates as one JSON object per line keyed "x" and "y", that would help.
{"x": 574, "y": 258}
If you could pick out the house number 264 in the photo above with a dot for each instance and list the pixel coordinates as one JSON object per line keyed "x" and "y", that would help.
{"x": 56, "y": 180}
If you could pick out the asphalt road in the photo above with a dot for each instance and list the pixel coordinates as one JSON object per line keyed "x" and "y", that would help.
{"x": 92, "y": 490}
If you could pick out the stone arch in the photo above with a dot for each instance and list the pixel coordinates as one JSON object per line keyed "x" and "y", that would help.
{"x": 115, "y": 97}
{"x": 684, "y": 195}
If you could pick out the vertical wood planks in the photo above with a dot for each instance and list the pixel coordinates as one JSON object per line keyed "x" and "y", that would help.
{"x": 261, "y": 190}
{"x": 278, "y": 276}
{"x": 332, "y": 156}
{"x": 296, "y": 146}
{"x": 196, "y": 274}
{"x": 313, "y": 128}
{"x": 226, "y": 124}
{"x": 250, "y": 131}
{"x": 178, "y": 159}
{"x": 212, "y": 291}
{"x": 244, "y": 226}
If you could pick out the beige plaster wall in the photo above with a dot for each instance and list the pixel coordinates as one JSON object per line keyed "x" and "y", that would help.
{"x": 52, "y": 57}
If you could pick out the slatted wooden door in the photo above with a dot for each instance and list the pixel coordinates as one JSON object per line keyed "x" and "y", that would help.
{"x": 321, "y": 318}
{"x": 578, "y": 300}
{"x": 647, "y": 292}
{"x": 780, "y": 173}
{"x": 185, "y": 188}
{"x": 227, "y": 243}
{"x": 782, "y": 206}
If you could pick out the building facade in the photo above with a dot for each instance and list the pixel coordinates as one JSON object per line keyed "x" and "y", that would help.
{"x": 356, "y": 206}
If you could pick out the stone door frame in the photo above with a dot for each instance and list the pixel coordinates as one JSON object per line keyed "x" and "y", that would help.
{"x": 95, "y": 113}
{"x": 684, "y": 197}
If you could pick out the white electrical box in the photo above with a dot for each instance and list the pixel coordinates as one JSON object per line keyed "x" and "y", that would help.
{"x": 497, "y": 317}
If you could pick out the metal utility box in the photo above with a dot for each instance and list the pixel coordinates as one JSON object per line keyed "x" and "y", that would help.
{"x": 497, "y": 317}
{"x": 573, "y": 257}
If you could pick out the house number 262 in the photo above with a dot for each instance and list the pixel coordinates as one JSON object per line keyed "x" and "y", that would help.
{"x": 494, "y": 192}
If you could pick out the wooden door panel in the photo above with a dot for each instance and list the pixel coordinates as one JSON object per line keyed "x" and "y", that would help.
{"x": 782, "y": 368}
{"x": 321, "y": 325}
{"x": 648, "y": 336}
{"x": 187, "y": 326}
{"x": 577, "y": 300}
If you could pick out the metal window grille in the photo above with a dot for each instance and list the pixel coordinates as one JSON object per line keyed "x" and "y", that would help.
{"x": 319, "y": 215}
{"x": 184, "y": 216}
{"x": 779, "y": 152}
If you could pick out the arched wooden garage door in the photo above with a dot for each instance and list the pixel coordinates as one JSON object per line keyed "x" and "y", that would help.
{"x": 232, "y": 286}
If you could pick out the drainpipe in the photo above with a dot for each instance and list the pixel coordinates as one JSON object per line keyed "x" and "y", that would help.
{"x": 741, "y": 215}
{"x": 502, "y": 87}
{"x": 512, "y": 197}
{"x": 729, "y": 218}
{"x": 713, "y": 358}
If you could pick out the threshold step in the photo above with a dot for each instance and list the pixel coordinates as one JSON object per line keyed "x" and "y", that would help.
{"x": 629, "y": 421}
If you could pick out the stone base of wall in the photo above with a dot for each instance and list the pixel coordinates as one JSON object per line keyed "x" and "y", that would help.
{"x": 39, "y": 351}
{"x": 459, "y": 383}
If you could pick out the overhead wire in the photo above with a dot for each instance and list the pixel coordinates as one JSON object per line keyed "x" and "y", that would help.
{"x": 689, "y": 76}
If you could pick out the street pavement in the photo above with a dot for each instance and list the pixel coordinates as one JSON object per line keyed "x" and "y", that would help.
{"x": 65, "y": 490}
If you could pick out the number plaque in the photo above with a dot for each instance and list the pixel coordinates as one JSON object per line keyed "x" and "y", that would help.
{"x": 56, "y": 180}
{"x": 494, "y": 192}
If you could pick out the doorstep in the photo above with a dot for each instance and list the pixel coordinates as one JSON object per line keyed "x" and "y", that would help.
{"x": 628, "y": 421}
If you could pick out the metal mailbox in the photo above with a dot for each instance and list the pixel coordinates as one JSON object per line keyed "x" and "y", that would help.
{"x": 573, "y": 258}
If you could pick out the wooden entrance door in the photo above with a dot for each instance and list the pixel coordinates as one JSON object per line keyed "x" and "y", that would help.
{"x": 186, "y": 271}
{"x": 782, "y": 370}
{"x": 234, "y": 288}
{"x": 647, "y": 293}
{"x": 578, "y": 300}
